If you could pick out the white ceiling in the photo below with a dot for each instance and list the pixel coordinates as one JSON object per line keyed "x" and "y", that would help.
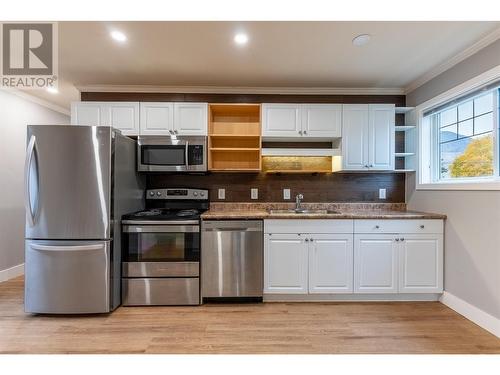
{"x": 278, "y": 54}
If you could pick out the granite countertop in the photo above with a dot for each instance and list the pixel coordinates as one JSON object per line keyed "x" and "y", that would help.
{"x": 221, "y": 211}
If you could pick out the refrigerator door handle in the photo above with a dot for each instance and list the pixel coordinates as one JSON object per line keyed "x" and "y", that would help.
{"x": 187, "y": 154}
{"x": 66, "y": 247}
{"x": 27, "y": 188}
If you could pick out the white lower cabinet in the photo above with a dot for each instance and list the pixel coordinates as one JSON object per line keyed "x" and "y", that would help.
{"x": 375, "y": 263}
{"x": 346, "y": 256}
{"x": 285, "y": 264}
{"x": 421, "y": 263}
{"x": 330, "y": 263}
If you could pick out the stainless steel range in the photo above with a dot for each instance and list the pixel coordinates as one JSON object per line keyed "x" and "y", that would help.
{"x": 161, "y": 252}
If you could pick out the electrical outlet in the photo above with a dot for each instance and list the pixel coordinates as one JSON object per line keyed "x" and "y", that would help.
{"x": 381, "y": 194}
{"x": 222, "y": 193}
{"x": 286, "y": 193}
{"x": 254, "y": 193}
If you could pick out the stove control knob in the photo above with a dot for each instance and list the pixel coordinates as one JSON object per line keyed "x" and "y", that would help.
{"x": 202, "y": 194}
{"x": 195, "y": 193}
{"x": 152, "y": 193}
{"x": 158, "y": 193}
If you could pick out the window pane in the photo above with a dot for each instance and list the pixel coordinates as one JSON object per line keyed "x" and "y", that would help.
{"x": 483, "y": 123}
{"x": 448, "y": 117}
{"x": 467, "y": 157}
{"x": 465, "y": 129}
{"x": 448, "y": 133}
{"x": 483, "y": 104}
{"x": 465, "y": 111}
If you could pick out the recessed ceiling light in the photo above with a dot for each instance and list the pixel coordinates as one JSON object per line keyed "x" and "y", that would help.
{"x": 118, "y": 36}
{"x": 52, "y": 90}
{"x": 361, "y": 40}
{"x": 241, "y": 39}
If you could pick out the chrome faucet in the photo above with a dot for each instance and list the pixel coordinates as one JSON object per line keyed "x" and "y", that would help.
{"x": 298, "y": 201}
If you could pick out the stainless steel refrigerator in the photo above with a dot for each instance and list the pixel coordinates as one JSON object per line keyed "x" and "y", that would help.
{"x": 79, "y": 181}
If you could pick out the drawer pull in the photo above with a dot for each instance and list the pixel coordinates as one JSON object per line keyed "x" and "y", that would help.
{"x": 422, "y": 226}
{"x": 377, "y": 227}
{"x": 402, "y": 239}
{"x": 397, "y": 239}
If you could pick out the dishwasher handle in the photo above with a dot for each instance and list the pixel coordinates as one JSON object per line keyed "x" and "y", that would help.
{"x": 233, "y": 226}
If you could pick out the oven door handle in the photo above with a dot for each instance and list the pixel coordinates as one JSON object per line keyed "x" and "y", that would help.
{"x": 161, "y": 228}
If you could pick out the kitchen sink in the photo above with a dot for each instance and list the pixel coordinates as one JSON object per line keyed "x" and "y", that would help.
{"x": 303, "y": 212}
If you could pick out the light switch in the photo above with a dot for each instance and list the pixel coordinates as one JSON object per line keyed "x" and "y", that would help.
{"x": 222, "y": 193}
{"x": 381, "y": 194}
{"x": 254, "y": 193}
{"x": 286, "y": 193}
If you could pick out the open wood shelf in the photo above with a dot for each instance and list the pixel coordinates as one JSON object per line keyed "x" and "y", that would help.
{"x": 234, "y": 141}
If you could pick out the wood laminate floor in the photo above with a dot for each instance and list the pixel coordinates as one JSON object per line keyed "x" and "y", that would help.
{"x": 396, "y": 327}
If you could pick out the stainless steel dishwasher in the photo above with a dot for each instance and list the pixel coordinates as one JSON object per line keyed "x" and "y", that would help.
{"x": 232, "y": 258}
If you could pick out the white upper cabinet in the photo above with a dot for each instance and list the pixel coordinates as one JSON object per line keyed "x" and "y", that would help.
{"x": 88, "y": 113}
{"x": 146, "y": 118}
{"x": 375, "y": 263}
{"x": 355, "y": 133}
{"x": 322, "y": 120}
{"x": 285, "y": 264}
{"x": 191, "y": 118}
{"x": 421, "y": 263}
{"x": 120, "y": 115}
{"x": 157, "y": 118}
{"x": 330, "y": 263}
{"x": 301, "y": 120}
{"x": 381, "y": 136}
{"x": 368, "y": 136}
{"x": 124, "y": 116}
{"x": 281, "y": 120}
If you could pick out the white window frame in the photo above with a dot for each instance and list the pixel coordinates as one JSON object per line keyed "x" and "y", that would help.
{"x": 427, "y": 152}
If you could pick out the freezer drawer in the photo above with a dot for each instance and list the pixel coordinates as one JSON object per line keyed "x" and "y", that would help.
{"x": 232, "y": 258}
{"x": 67, "y": 277}
{"x": 161, "y": 291}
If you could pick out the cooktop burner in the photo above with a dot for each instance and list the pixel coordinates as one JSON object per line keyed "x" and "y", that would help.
{"x": 185, "y": 213}
{"x": 172, "y": 204}
{"x": 163, "y": 214}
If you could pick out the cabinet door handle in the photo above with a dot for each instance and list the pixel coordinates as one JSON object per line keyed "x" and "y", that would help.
{"x": 377, "y": 227}
{"x": 402, "y": 239}
{"x": 305, "y": 132}
{"x": 422, "y": 226}
{"x": 307, "y": 239}
{"x": 300, "y": 132}
{"x": 397, "y": 239}
{"x": 371, "y": 165}
{"x": 176, "y": 132}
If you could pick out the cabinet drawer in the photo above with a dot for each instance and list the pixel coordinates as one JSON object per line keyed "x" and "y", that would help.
{"x": 308, "y": 226}
{"x": 398, "y": 226}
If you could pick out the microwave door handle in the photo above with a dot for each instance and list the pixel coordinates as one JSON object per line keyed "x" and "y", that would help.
{"x": 27, "y": 188}
{"x": 187, "y": 155}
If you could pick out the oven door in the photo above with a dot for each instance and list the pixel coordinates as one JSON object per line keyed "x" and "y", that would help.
{"x": 167, "y": 154}
{"x": 159, "y": 250}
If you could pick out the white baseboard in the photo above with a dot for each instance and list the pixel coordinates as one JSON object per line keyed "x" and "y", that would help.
{"x": 478, "y": 316}
{"x": 12, "y": 272}
{"x": 349, "y": 297}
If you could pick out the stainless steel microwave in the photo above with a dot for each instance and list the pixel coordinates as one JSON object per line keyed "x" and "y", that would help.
{"x": 171, "y": 154}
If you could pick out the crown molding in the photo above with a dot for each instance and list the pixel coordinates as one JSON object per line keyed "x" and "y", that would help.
{"x": 476, "y": 47}
{"x": 39, "y": 101}
{"x": 244, "y": 90}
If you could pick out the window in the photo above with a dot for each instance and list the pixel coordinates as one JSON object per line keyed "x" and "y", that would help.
{"x": 462, "y": 137}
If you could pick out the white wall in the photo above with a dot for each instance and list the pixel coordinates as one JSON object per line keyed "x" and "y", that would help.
{"x": 472, "y": 234}
{"x": 15, "y": 114}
